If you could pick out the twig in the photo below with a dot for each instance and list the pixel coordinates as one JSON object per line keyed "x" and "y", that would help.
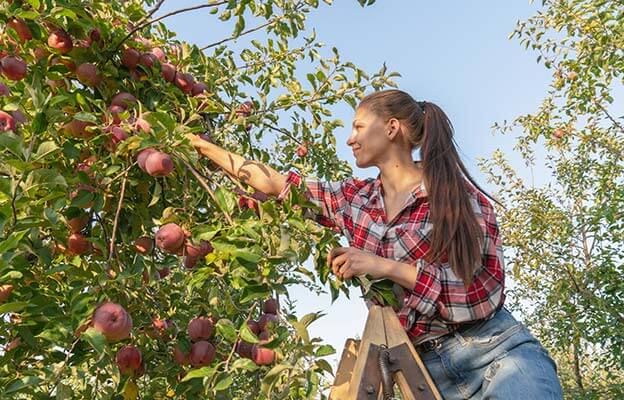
{"x": 111, "y": 248}
{"x": 152, "y": 11}
{"x": 182, "y": 10}
{"x": 242, "y": 33}
{"x": 204, "y": 184}
{"x": 60, "y": 370}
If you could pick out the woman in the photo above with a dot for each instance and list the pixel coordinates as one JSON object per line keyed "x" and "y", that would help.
{"x": 428, "y": 227}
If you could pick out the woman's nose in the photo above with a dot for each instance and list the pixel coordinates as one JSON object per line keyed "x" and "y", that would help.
{"x": 351, "y": 140}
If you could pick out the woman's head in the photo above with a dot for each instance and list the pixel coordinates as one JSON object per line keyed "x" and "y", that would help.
{"x": 392, "y": 123}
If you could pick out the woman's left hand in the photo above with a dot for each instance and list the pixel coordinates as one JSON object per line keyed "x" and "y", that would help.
{"x": 347, "y": 262}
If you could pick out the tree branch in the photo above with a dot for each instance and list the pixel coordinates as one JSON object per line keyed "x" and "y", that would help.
{"x": 111, "y": 248}
{"x": 242, "y": 33}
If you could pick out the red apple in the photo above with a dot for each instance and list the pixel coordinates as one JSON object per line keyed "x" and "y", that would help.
{"x": 163, "y": 273}
{"x": 78, "y": 129}
{"x": 264, "y": 337}
{"x": 130, "y": 58}
{"x": 558, "y": 133}
{"x": 200, "y": 328}
{"x": 96, "y": 37}
{"x": 253, "y": 326}
{"x": 244, "y": 349}
{"x": 13, "y": 344}
{"x": 267, "y": 321}
{"x": 144, "y": 245}
{"x": 180, "y": 357}
{"x": 270, "y": 306}
{"x": 5, "y": 292}
{"x": 245, "y": 109}
{"x": 113, "y": 321}
{"x": 78, "y": 244}
{"x": 202, "y": 354}
{"x": 123, "y": 99}
{"x": 4, "y": 90}
{"x": 7, "y": 123}
{"x": 21, "y": 28}
{"x": 60, "y": 41}
{"x": 198, "y": 88}
{"x": 147, "y": 60}
{"x": 87, "y": 74}
{"x": 184, "y": 81}
{"x": 143, "y": 125}
{"x": 302, "y": 151}
{"x": 13, "y": 68}
{"x": 168, "y": 71}
{"x": 117, "y": 135}
{"x": 159, "y": 54}
{"x": 262, "y": 356}
{"x": 129, "y": 360}
{"x": 19, "y": 117}
{"x": 200, "y": 250}
{"x": 142, "y": 156}
{"x": 158, "y": 164}
{"x": 76, "y": 224}
{"x": 170, "y": 238}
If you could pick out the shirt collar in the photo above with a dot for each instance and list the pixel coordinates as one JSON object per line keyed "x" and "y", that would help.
{"x": 417, "y": 193}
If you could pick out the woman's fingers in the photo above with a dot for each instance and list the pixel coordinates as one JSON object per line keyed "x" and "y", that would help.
{"x": 335, "y": 252}
{"x": 337, "y": 262}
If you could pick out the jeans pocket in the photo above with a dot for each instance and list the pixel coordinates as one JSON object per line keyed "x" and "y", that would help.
{"x": 489, "y": 335}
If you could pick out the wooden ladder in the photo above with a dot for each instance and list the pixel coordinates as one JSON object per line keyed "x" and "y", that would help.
{"x": 384, "y": 354}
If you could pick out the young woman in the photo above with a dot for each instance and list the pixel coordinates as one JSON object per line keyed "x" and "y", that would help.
{"x": 428, "y": 227}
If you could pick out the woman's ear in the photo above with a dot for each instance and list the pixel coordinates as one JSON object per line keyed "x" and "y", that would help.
{"x": 393, "y": 129}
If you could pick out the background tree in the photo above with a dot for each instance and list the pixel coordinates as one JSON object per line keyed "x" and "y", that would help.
{"x": 564, "y": 236}
{"x": 123, "y": 259}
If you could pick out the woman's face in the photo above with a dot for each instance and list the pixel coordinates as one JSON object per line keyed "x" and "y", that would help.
{"x": 368, "y": 140}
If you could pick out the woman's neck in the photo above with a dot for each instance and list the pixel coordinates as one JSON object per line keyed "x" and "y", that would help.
{"x": 400, "y": 177}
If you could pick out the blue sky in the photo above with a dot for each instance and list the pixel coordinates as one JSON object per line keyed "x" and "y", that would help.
{"x": 453, "y": 53}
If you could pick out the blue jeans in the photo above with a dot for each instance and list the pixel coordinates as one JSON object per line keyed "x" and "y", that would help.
{"x": 496, "y": 359}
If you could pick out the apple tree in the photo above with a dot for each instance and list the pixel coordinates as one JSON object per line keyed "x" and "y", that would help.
{"x": 564, "y": 236}
{"x": 130, "y": 267}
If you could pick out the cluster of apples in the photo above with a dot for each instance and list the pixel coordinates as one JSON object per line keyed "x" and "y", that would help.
{"x": 131, "y": 58}
{"x": 246, "y": 201}
{"x": 262, "y": 328}
{"x": 202, "y": 351}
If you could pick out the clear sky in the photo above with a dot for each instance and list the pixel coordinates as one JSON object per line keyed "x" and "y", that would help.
{"x": 453, "y": 53}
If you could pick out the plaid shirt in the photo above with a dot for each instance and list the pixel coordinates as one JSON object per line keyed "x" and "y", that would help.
{"x": 439, "y": 302}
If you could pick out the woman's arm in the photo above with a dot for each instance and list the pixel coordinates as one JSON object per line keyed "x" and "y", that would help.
{"x": 260, "y": 176}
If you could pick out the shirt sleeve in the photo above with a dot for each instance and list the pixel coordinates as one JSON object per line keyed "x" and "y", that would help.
{"x": 331, "y": 197}
{"x": 439, "y": 292}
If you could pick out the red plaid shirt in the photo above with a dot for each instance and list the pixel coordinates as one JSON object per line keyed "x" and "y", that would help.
{"x": 439, "y": 301}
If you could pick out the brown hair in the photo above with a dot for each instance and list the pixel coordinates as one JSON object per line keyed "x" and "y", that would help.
{"x": 456, "y": 230}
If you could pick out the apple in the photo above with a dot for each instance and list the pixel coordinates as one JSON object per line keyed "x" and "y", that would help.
{"x": 129, "y": 360}
{"x": 13, "y": 344}
{"x": 143, "y": 125}
{"x": 168, "y": 72}
{"x": 144, "y": 245}
{"x": 202, "y": 354}
{"x": 114, "y": 110}
{"x": 113, "y": 321}
{"x": 558, "y": 133}
{"x": 76, "y": 224}
{"x": 60, "y": 41}
{"x": 95, "y": 36}
{"x": 4, "y": 90}
{"x": 159, "y": 328}
{"x": 142, "y": 156}
{"x": 270, "y": 306}
{"x": 254, "y": 326}
{"x": 7, "y": 122}
{"x": 130, "y": 57}
{"x": 264, "y": 337}
{"x": 244, "y": 349}
{"x": 184, "y": 81}
{"x": 19, "y": 117}
{"x": 123, "y": 99}
{"x": 78, "y": 244}
{"x": 23, "y": 31}
{"x": 163, "y": 273}
{"x": 147, "y": 60}
{"x": 200, "y": 250}
{"x": 158, "y": 164}
{"x": 180, "y": 357}
{"x": 159, "y": 54}
{"x": 5, "y": 292}
{"x": 117, "y": 135}
{"x": 40, "y": 53}
{"x": 572, "y": 75}
{"x": 13, "y": 68}
{"x": 200, "y": 328}
{"x": 198, "y": 88}
{"x": 245, "y": 109}
{"x": 262, "y": 356}
{"x": 87, "y": 74}
{"x": 78, "y": 129}
{"x": 170, "y": 238}
{"x": 267, "y": 321}
{"x": 302, "y": 151}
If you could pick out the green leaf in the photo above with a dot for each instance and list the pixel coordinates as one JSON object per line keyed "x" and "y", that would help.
{"x": 246, "y": 334}
{"x": 240, "y": 25}
{"x": 13, "y": 307}
{"x": 269, "y": 379}
{"x": 12, "y": 241}
{"x": 301, "y": 330}
{"x": 12, "y": 143}
{"x": 226, "y": 328}
{"x": 325, "y": 350}
{"x": 199, "y": 373}
{"x": 244, "y": 364}
{"x": 224, "y": 383}
{"x": 155, "y": 195}
{"x": 95, "y": 339}
{"x": 45, "y": 149}
{"x": 24, "y": 382}
{"x": 85, "y": 116}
